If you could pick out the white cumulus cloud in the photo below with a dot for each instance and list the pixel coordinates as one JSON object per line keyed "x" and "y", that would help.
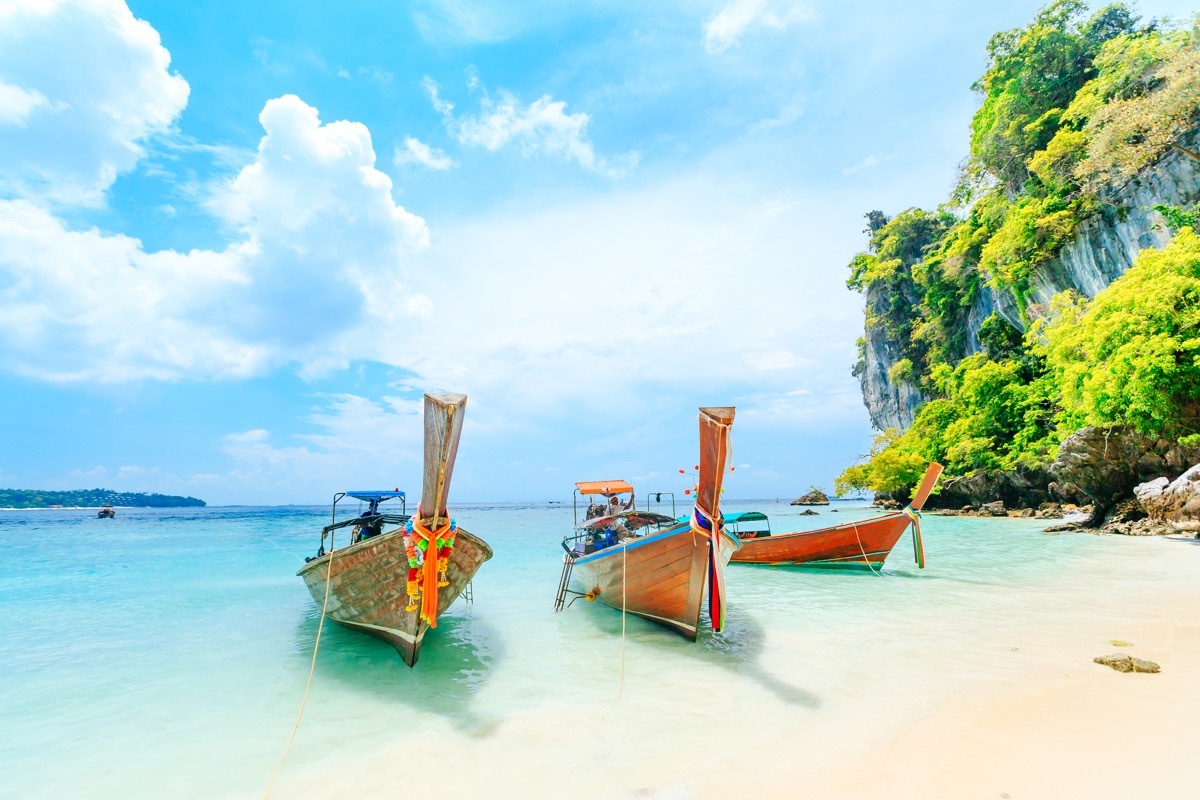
{"x": 318, "y": 257}
{"x": 541, "y": 127}
{"x": 727, "y": 27}
{"x": 415, "y": 151}
{"x": 83, "y": 84}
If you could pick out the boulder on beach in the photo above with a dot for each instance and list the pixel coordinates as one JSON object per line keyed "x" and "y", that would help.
{"x": 815, "y": 497}
{"x": 1176, "y": 502}
{"x": 1107, "y": 463}
{"x": 994, "y": 509}
{"x": 1141, "y": 527}
{"x": 1124, "y": 663}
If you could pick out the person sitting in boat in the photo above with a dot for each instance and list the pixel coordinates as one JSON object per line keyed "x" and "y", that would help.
{"x": 594, "y": 510}
{"x": 367, "y": 527}
{"x": 615, "y": 506}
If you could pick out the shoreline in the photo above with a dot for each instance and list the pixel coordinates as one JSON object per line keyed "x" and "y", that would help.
{"x": 1020, "y": 712}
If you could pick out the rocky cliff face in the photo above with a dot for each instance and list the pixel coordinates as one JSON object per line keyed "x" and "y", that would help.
{"x": 891, "y": 404}
{"x": 1104, "y": 247}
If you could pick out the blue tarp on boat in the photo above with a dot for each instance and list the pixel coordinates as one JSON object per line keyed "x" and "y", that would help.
{"x": 374, "y": 496}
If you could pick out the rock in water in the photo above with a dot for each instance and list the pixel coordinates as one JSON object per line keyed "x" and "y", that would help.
{"x": 1123, "y": 663}
{"x": 1064, "y": 526}
{"x": 814, "y": 498}
{"x": 808, "y": 512}
{"x": 995, "y": 509}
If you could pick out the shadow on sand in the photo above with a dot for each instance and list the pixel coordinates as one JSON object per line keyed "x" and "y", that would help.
{"x": 456, "y": 660}
{"x": 738, "y": 648}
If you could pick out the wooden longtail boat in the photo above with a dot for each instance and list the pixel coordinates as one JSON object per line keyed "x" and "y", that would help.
{"x": 650, "y": 564}
{"x": 379, "y": 583}
{"x": 864, "y": 543}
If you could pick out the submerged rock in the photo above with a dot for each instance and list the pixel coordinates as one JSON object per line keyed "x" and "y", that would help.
{"x": 808, "y": 512}
{"x": 1124, "y": 663}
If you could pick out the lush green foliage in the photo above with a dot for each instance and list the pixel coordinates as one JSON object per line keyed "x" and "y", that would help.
{"x": 90, "y": 498}
{"x": 1131, "y": 356}
{"x": 1070, "y": 103}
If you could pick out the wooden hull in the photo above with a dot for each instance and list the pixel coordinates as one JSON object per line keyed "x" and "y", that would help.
{"x": 863, "y": 544}
{"x": 368, "y": 587}
{"x": 660, "y": 577}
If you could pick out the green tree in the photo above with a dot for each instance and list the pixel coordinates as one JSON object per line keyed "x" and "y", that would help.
{"x": 1032, "y": 76}
{"x": 1131, "y": 356}
{"x": 1134, "y": 130}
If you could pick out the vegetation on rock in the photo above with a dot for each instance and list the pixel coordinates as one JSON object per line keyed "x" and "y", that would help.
{"x": 91, "y": 498}
{"x": 1072, "y": 105}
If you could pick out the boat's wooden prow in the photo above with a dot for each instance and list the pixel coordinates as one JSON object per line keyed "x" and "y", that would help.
{"x": 379, "y": 585}
{"x": 660, "y": 571}
{"x": 932, "y": 473}
{"x": 862, "y": 543}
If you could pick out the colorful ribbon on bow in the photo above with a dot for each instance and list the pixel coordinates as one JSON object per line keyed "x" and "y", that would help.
{"x": 702, "y": 524}
{"x": 918, "y": 544}
{"x": 427, "y": 578}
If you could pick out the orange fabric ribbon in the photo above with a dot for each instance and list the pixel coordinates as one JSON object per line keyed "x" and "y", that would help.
{"x": 429, "y": 578}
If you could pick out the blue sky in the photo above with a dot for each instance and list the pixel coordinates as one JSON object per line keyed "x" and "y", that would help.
{"x": 238, "y": 240}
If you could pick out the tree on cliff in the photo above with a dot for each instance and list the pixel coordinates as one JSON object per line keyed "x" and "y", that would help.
{"x": 1070, "y": 104}
{"x": 1131, "y": 356}
{"x": 1129, "y": 134}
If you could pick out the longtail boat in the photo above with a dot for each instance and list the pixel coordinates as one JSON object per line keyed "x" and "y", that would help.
{"x": 650, "y": 564}
{"x": 863, "y": 543}
{"x": 394, "y": 584}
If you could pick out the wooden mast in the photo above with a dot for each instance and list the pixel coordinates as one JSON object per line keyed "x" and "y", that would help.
{"x": 444, "y": 414}
{"x": 716, "y": 423}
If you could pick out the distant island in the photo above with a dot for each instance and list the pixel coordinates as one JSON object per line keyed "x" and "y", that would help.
{"x": 91, "y": 498}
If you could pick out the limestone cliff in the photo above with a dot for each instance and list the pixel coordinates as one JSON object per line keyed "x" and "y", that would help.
{"x": 891, "y": 403}
{"x": 1103, "y": 248}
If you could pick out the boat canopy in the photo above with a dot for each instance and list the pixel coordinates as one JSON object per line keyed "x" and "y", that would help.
{"x": 603, "y": 487}
{"x": 745, "y": 516}
{"x": 375, "y": 497}
{"x": 631, "y": 519}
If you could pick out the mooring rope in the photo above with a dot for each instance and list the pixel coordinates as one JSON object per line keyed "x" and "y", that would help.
{"x": 624, "y": 562}
{"x": 863, "y": 551}
{"x": 312, "y": 668}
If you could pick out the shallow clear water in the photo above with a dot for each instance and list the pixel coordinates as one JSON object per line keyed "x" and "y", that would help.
{"x": 164, "y": 654}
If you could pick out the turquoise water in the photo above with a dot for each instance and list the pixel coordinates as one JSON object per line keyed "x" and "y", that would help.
{"x": 164, "y": 654}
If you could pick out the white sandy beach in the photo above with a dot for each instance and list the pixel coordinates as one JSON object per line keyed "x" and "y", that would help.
{"x": 1008, "y": 703}
{"x": 1077, "y": 729}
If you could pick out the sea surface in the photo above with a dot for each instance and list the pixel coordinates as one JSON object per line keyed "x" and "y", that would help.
{"x": 164, "y": 654}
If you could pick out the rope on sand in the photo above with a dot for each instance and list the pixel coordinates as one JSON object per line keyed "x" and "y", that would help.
{"x": 308, "y": 685}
